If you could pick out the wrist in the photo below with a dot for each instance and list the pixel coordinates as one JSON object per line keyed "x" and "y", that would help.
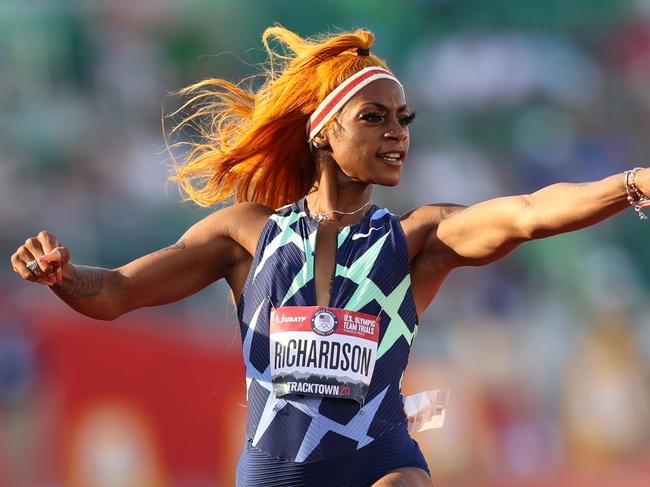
{"x": 635, "y": 196}
{"x": 642, "y": 181}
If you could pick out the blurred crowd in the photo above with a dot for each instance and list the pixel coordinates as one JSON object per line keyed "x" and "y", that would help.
{"x": 546, "y": 354}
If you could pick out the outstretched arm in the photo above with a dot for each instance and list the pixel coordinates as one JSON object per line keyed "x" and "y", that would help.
{"x": 487, "y": 231}
{"x": 208, "y": 251}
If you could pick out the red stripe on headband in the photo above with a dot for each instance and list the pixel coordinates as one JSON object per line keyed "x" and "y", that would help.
{"x": 352, "y": 82}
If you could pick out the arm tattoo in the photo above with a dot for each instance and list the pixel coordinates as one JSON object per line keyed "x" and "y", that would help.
{"x": 448, "y": 209}
{"x": 86, "y": 284}
{"x": 180, "y": 245}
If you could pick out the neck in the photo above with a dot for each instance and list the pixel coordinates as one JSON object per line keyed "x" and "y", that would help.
{"x": 334, "y": 194}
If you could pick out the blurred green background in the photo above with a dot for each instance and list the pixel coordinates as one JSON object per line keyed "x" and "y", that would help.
{"x": 547, "y": 353}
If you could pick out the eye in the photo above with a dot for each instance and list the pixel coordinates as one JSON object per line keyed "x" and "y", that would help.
{"x": 373, "y": 117}
{"x": 407, "y": 119}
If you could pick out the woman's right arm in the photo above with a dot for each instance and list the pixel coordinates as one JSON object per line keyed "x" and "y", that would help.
{"x": 210, "y": 250}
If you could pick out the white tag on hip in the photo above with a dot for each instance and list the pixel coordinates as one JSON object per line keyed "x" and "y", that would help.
{"x": 426, "y": 410}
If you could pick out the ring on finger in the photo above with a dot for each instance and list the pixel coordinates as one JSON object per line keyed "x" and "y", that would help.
{"x": 33, "y": 267}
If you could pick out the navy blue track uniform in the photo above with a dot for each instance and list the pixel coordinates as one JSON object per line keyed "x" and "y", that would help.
{"x": 298, "y": 440}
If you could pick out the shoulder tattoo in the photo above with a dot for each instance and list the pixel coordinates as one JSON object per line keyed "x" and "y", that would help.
{"x": 448, "y": 209}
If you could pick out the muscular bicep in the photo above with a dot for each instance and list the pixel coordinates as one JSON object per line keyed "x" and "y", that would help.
{"x": 174, "y": 272}
{"x": 442, "y": 237}
{"x": 482, "y": 233}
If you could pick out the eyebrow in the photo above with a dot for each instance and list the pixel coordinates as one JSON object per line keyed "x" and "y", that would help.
{"x": 381, "y": 106}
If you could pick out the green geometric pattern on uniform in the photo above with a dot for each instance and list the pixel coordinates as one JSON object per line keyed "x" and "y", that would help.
{"x": 367, "y": 291}
{"x": 343, "y": 234}
{"x": 287, "y": 235}
{"x": 306, "y": 272}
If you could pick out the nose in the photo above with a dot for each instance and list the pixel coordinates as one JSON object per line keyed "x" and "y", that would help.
{"x": 397, "y": 132}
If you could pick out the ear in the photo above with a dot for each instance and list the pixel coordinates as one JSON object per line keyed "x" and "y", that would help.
{"x": 320, "y": 140}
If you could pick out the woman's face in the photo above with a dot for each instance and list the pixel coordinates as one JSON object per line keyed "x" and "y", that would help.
{"x": 369, "y": 139}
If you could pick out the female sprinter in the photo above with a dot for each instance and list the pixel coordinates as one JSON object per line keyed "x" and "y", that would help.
{"x": 329, "y": 286}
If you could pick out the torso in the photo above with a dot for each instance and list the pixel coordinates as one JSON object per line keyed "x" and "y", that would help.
{"x": 371, "y": 275}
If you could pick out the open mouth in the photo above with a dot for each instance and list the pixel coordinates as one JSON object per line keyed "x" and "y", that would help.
{"x": 393, "y": 157}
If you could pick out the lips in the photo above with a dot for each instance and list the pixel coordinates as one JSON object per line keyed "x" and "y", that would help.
{"x": 392, "y": 157}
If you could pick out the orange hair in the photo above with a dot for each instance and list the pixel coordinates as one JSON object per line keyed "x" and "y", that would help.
{"x": 252, "y": 145}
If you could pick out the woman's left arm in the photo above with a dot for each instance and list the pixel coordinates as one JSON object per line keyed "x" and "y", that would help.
{"x": 487, "y": 231}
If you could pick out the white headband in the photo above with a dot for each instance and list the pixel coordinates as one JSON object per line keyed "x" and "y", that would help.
{"x": 342, "y": 93}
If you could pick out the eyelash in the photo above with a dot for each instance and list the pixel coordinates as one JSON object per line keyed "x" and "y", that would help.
{"x": 404, "y": 121}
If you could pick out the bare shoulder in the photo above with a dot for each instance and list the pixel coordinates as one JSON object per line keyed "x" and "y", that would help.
{"x": 247, "y": 222}
{"x": 419, "y": 224}
{"x": 241, "y": 223}
{"x": 248, "y": 213}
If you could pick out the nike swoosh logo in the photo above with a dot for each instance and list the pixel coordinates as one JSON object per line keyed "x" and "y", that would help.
{"x": 357, "y": 236}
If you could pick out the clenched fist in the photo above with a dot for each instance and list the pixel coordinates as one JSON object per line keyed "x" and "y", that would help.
{"x": 42, "y": 259}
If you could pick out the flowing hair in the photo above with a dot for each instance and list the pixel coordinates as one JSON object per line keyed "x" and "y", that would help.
{"x": 251, "y": 145}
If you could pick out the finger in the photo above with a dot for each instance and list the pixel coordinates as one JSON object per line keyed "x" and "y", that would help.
{"x": 19, "y": 262}
{"x": 59, "y": 255}
{"x": 47, "y": 279}
{"x": 48, "y": 241}
{"x": 36, "y": 249}
{"x": 18, "y": 256}
{"x": 53, "y": 276}
{"x": 56, "y": 275}
{"x": 27, "y": 275}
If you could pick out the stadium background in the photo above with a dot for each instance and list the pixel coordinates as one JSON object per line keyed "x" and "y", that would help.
{"x": 546, "y": 353}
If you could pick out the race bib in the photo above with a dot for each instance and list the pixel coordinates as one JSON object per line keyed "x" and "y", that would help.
{"x": 319, "y": 351}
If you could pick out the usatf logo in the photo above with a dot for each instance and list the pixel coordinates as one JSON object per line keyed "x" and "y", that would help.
{"x": 324, "y": 322}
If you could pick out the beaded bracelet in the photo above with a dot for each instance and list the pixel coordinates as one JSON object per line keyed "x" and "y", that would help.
{"x": 635, "y": 197}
